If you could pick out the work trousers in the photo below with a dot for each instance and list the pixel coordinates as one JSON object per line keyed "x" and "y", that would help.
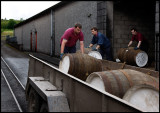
{"x": 70, "y": 49}
{"x": 106, "y": 52}
{"x": 144, "y": 46}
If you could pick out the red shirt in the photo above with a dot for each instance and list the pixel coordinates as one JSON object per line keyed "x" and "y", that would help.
{"x": 71, "y": 37}
{"x": 138, "y": 37}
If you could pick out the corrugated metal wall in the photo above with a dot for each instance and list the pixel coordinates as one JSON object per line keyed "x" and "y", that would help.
{"x": 128, "y": 14}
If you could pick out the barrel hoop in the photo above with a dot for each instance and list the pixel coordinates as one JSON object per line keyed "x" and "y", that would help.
{"x": 101, "y": 65}
{"x": 118, "y": 83}
{"x": 86, "y": 74}
{"x": 149, "y": 75}
{"x": 154, "y": 81}
{"x": 71, "y": 63}
{"x": 75, "y": 66}
{"x": 82, "y": 77}
{"x": 127, "y": 76}
{"x": 107, "y": 82}
{"x": 81, "y": 61}
{"x": 156, "y": 86}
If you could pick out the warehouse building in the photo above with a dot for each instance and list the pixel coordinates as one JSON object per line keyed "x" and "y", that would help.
{"x": 42, "y": 32}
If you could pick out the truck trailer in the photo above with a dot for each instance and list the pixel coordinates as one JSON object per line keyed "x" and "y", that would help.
{"x": 49, "y": 89}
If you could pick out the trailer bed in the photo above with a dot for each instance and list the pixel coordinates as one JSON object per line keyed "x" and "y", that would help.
{"x": 80, "y": 95}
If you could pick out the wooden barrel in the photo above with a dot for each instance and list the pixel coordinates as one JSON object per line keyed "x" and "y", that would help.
{"x": 117, "y": 82}
{"x": 86, "y": 50}
{"x": 91, "y": 53}
{"x": 144, "y": 96}
{"x": 133, "y": 57}
{"x": 80, "y": 65}
{"x": 95, "y": 54}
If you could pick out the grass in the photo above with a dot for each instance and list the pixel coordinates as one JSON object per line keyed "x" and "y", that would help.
{"x": 5, "y": 33}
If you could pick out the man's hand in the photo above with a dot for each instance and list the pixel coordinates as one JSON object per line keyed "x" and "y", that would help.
{"x": 61, "y": 55}
{"x": 136, "y": 48}
{"x": 94, "y": 49}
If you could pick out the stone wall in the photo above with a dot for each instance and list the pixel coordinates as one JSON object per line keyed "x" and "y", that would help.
{"x": 132, "y": 14}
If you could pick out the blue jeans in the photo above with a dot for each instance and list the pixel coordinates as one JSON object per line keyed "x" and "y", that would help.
{"x": 70, "y": 49}
{"x": 107, "y": 52}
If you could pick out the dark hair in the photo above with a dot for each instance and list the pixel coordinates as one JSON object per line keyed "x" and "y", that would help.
{"x": 78, "y": 25}
{"x": 133, "y": 29}
{"x": 95, "y": 28}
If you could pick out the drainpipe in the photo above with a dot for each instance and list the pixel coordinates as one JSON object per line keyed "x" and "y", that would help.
{"x": 31, "y": 41}
{"x": 157, "y": 36}
{"x": 36, "y": 41}
{"x": 51, "y": 33}
{"x": 22, "y": 37}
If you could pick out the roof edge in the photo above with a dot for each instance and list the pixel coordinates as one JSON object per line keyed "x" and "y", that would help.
{"x": 62, "y": 3}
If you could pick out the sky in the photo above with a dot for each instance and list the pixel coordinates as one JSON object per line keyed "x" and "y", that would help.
{"x": 23, "y": 9}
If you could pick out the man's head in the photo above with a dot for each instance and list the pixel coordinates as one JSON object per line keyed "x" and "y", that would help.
{"x": 94, "y": 30}
{"x": 77, "y": 28}
{"x": 134, "y": 31}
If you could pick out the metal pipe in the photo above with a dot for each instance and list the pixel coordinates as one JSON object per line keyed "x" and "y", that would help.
{"x": 51, "y": 33}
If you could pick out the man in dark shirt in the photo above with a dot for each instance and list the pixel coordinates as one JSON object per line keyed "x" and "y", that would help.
{"x": 103, "y": 43}
{"x": 142, "y": 41}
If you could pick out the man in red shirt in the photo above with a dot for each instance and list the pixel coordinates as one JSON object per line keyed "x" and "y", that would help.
{"x": 142, "y": 41}
{"x": 69, "y": 39}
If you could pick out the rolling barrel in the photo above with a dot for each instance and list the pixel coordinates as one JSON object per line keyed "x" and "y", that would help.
{"x": 117, "y": 82}
{"x": 86, "y": 50}
{"x": 80, "y": 65}
{"x": 145, "y": 97}
{"x": 89, "y": 51}
{"x": 133, "y": 57}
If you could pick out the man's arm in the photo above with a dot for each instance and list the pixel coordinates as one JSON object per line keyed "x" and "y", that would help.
{"x": 139, "y": 43}
{"x": 63, "y": 45}
{"x": 82, "y": 46}
{"x": 90, "y": 45}
{"x": 130, "y": 43}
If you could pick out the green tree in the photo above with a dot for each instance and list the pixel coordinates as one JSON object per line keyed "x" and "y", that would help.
{"x": 4, "y": 24}
{"x": 11, "y": 24}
